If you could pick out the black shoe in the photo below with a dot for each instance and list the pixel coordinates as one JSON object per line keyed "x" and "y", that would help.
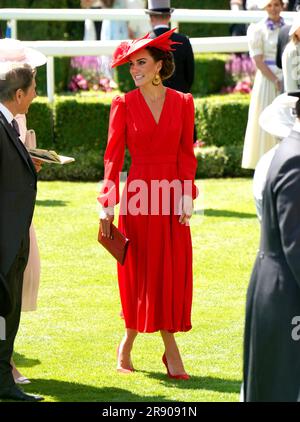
{"x": 14, "y": 393}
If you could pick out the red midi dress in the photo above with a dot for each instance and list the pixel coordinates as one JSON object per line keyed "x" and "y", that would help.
{"x": 156, "y": 280}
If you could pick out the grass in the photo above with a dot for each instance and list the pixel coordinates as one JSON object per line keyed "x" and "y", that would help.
{"x": 68, "y": 347}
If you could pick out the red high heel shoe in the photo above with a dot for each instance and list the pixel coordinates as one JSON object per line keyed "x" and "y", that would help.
{"x": 121, "y": 368}
{"x": 177, "y": 377}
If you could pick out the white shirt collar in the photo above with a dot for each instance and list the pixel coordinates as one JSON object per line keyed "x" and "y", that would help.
{"x": 296, "y": 126}
{"x": 7, "y": 114}
{"x": 160, "y": 26}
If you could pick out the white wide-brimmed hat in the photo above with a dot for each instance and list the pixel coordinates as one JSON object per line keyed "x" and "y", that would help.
{"x": 13, "y": 53}
{"x": 278, "y": 119}
{"x": 295, "y": 24}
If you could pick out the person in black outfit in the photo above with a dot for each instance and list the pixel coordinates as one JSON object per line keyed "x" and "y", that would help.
{"x": 283, "y": 39}
{"x": 238, "y": 29}
{"x": 96, "y": 4}
{"x": 18, "y": 182}
{"x": 293, "y": 5}
{"x": 272, "y": 340}
{"x": 183, "y": 77}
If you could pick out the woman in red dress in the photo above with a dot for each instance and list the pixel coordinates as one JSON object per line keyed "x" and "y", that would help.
{"x": 156, "y": 124}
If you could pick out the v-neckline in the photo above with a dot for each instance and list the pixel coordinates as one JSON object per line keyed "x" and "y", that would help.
{"x": 162, "y": 109}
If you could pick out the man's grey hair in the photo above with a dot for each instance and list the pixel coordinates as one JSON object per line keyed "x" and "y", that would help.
{"x": 16, "y": 78}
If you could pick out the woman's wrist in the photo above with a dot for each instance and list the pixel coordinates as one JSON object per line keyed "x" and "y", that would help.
{"x": 106, "y": 211}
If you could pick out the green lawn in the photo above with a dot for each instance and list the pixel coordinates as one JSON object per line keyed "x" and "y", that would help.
{"x": 68, "y": 347}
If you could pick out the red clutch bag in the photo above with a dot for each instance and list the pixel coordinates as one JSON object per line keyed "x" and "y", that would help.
{"x": 117, "y": 245}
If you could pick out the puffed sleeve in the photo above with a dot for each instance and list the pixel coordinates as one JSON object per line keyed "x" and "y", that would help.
{"x": 255, "y": 40}
{"x": 187, "y": 162}
{"x": 114, "y": 154}
{"x": 287, "y": 191}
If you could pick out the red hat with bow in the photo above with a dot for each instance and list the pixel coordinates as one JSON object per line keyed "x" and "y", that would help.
{"x": 127, "y": 48}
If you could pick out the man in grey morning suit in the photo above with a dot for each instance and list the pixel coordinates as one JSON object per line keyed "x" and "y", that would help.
{"x": 272, "y": 340}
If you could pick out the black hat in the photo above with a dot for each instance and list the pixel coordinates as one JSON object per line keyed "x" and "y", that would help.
{"x": 159, "y": 7}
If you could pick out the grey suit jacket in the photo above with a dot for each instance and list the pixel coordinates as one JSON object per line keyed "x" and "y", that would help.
{"x": 271, "y": 353}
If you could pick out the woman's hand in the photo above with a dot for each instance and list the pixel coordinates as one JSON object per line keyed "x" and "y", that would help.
{"x": 106, "y": 219}
{"x": 267, "y": 72}
{"x": 278, "y": 84}
{"x": 187, "y": 209}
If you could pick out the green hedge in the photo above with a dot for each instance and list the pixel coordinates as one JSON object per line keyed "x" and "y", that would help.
{"x": 220, "y": 162}
{"x": 222, "y": 119}
{"x": 209, "y": 73}
{"x": 40, "y": 118}
{"x": 78, "y": 127}
{"x": 81, "y": 126}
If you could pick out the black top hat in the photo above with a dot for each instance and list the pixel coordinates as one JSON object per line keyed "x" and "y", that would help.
{"x": 159, "y": 7}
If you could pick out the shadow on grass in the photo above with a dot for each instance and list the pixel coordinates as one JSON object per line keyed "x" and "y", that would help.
{"x": 21, "y": 360}
{"x": 199, "y": 383}
{"x": 63, "y": 391}
{"x": 225, "y": 213}
{"x": 51, "y": 203}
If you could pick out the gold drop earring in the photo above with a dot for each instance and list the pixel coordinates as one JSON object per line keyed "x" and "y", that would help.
{"x": 156, "y": 80}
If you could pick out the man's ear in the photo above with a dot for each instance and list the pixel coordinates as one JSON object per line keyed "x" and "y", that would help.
{"x": 19, "y": 95}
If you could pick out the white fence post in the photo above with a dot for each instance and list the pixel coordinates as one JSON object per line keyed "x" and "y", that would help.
{"x": 50, "y": 79}
{"x": 14, "y": 29}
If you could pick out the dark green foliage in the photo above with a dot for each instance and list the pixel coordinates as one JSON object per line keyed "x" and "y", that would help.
{"x": 209, "y": 73}
{"x": 220, "y": 162}
{"x": 222, "y": 120}
{"x": 123, "y": 78}
{"x": 40, "y": 118}
{"x": 211, "y": 162}
{"x": 233, "y": 165}
{"x": 62, "y": 76}
{"x": 81, "y": 122}
{"x": 88, "y": 166}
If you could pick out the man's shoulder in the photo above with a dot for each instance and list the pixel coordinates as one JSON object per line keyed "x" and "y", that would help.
{"x": 287, "y": 154}
{"x": 179, "y": 37}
